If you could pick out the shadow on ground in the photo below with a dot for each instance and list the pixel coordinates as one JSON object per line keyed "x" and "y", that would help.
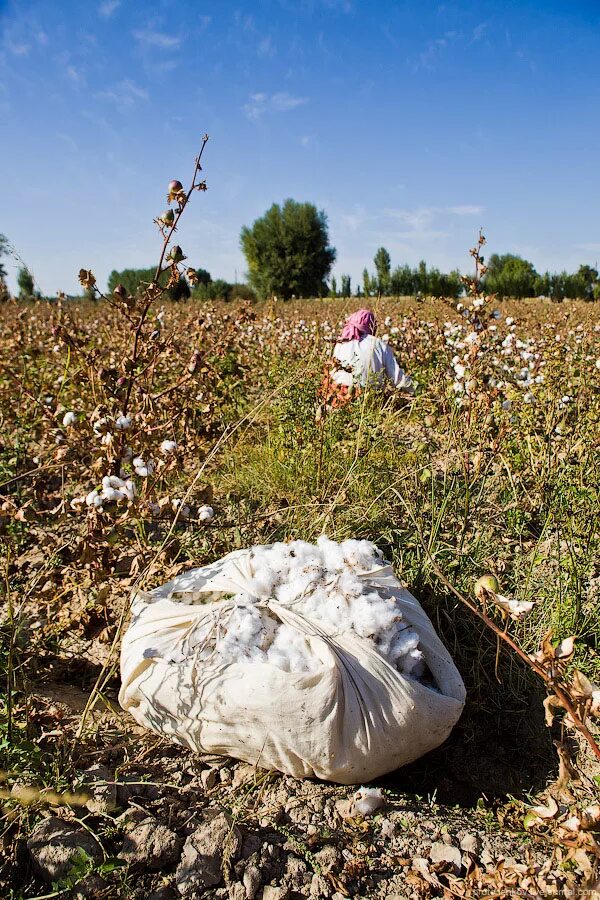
{"x": 489, "y": 755}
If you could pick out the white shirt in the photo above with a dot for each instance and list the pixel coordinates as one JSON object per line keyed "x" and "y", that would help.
{"x": 369, "y": 360}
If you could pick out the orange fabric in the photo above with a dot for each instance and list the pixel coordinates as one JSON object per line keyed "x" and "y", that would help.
{"x": 334, "y": 394}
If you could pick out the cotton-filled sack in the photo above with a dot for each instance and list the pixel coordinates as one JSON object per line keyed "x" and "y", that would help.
{"x": 310, "y": 659}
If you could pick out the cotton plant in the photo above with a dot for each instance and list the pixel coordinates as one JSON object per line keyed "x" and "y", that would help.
{"x": 133, "y": 436}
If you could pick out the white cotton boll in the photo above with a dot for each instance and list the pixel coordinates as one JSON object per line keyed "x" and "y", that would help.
{"x": 206, "y": 514}
{"x": 413, "y": 664}
{"x": 168, "y": 447}
{"x": 361, "y": 555}
{"x": 290, "y": 651}
{"x": 77, "y": 503}
{"x": 100, "y": 426}
{"x": 367, "y": 800}
{"x": 509, "y": 320}
{"x": 261, "y": 585}
{"x": 333, "y": 554}
{"x": 123, "y": 423}
{"x": 404, "y": 641}
{"x": 106, "y": 439}
{"x": 110, "y": 494}
{"x": 506, "y": 404}
{"x": 320, "y": 583}
{"x": 143, "y": 468}
{"x": 91, "y": 497}
{"x": 130, "y": 489}
{"x": 69, "y": 419}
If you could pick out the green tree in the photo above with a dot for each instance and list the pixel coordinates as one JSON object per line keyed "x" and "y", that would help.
{"x": 585, "y": 281}
{"x": 382, "y": 265}
{"x": 402, "y": 281}
{"x": 26, "y": 284}
{"x": 510, "y": 276}
{"x": 367, "y": 283}
{"x": 219, "y": 289}
{"x": 134, "y": 280}
{"x": 288, "y": 251}
{"x": 346, "y": 288}
{"x": 333, "y": 291}
{"x": 3, "y": 252}
{"x": 421, "y": 285}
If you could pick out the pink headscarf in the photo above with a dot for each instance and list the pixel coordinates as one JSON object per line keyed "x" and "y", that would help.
{"x": 359, "y": 324}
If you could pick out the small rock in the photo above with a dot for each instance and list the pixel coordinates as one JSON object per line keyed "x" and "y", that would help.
{"x": 329, "y": 857}
{"x": 201, "y": 863}
{"x": 242, "y": 773}
{"x": 208, "y": 778}
{"x": 237, "y": 891}
{"x": 319, "y": 887}
{"x": 270, "y": 892}
{"x": 441, "y": 852}
{"x": 387, "y": 828}
{"x": 344, "y": 808}
{"x": 252, "y": 881}
{"x": 151, "y": 845}
{"x": 101, "y": 783}
{"x": 470, "y": 843}
{"x": 90, "y": 887}
{"x": 54, "y": 846}
{"x": 486, "y": 857}
{"x": 132, "y": 816}
{"x": 163, "y": 893}
{"x": 134, "y": 786}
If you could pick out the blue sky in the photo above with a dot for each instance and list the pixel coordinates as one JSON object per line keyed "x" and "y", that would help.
{"x": 410, "y": 123}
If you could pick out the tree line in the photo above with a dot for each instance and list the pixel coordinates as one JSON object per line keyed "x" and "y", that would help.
{"x": 289, "y": 254}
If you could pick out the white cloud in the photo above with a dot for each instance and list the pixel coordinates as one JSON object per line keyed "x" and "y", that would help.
{"x": 465, "y": 210}
{"x": 434, "y": 47}
{"x": 75, "y": 75}
{"x": 19, "y": 49}
{"x": 123, "y": 94}
{"x": 479, "y": 32}
{"x": 417, "y": 220}
{"x": 70, "y": 142}
{"x": 260, "y": 103}
{"x": 157, "y": 39}
{"x": 265, "y": 47}
{"x": 108, "y": 8}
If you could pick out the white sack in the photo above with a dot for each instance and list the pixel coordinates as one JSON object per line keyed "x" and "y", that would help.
{"x": 350, "y": 718}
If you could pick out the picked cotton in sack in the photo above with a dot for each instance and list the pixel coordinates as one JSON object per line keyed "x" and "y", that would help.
{"x": 320, "y": 582}
{"x": 308, "y": 658}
